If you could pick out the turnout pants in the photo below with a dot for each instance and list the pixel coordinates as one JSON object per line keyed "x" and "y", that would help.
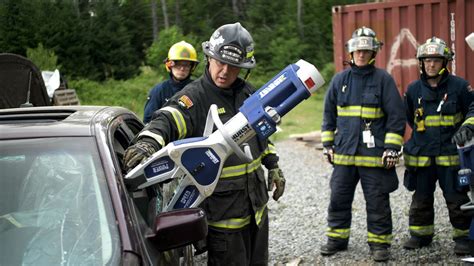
{"x": 247, "y": 246}
{"x": 421, "y": 221}
{"x": 374, "y": 182}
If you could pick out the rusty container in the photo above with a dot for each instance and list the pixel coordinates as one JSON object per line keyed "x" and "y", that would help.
{"x": 402, "y": 26}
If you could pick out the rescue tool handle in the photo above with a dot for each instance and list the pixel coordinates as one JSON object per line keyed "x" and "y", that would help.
{"x": 245, "y": 156}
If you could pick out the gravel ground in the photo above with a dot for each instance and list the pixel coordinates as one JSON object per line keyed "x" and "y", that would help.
{"x": 298, "y": 219}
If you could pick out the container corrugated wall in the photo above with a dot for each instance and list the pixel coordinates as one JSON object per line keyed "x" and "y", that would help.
{"x": 402, "y": 26}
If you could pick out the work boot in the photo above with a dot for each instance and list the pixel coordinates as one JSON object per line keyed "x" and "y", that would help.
{"x": 332, "y": 247}
{"x": 380, "y": 253}
{"x": 417, "y": 242}
{"x": 461, "y": 247}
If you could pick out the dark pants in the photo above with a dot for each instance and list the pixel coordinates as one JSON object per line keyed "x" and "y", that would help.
{"x": 343, "y": 183}
{"x": 248, "y": 246}
{"x": 421, "y": 209}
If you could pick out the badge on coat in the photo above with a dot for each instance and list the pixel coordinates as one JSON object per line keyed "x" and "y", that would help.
{"x": 185, "y": 102}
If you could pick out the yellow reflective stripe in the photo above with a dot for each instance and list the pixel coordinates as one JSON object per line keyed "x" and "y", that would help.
{"x": 12, "y": 220}
{"x": 154, "y": 136}
{"x": 371, "y": 112}
{"x": 460, "y": 232}
{"x": 178, "y": 119}
{"x": 447, "y": 160}
{"x": 422, "y": 230}
{"x": 232, "y": 223}
{"x": 469, "y": 121}
{"x": 241, "y": 169}
{"x": 221, "y": 110}
{"x": 393, "y": 138}
{"x": 358, "y": 160}
{"x": 360, "y": 111}
{"x": 236, "y": 223}
{"x": 343, "y": 233}
{"x": 443, "y": 120}
{"x": 327, "y": 136}
{"x": 271, "y": 149}
{"x": 383, "y": 239}
{"x": 259, "y": 214}
{"x": 349, "y": 110}
{"x": 416, "y": 161}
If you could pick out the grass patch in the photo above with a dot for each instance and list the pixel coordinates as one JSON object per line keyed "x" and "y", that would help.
{"x": 304, "y": 118}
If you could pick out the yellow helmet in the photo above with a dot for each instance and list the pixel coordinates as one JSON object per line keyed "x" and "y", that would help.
{"x": 181, "y": 51}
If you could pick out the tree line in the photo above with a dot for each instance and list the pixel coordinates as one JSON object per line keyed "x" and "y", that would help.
{"x": 112, "y": 39}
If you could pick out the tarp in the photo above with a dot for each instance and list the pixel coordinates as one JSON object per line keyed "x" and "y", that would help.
{"x": 21, "y": 82}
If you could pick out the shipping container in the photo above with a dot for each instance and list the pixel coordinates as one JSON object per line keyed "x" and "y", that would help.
{"x": 402, "y": 26}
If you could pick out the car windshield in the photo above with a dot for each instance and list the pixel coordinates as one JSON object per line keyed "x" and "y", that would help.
{"x": 54, "y": 204}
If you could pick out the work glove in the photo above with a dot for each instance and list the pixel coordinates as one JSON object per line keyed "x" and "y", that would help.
{"x": 329, "y": 154}
{"x": 137, "y": 153}
{"x": 390, "y": 158}
{"x": 275, "y": 177}
{"x": 463, "y": 135}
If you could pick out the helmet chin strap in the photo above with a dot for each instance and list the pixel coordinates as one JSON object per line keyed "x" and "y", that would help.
{"x": 247, "y": 75}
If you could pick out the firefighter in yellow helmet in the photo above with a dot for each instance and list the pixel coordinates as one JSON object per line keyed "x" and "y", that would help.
{"x": 436, "y": 105}
{"x": 180, "y": 63}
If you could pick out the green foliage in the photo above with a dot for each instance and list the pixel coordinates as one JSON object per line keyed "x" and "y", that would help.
{"x": 130, "y": 94}
{"x": 44, "y": 59}
{"x": 158, "y": 51}
{"x": 109, "y": 40}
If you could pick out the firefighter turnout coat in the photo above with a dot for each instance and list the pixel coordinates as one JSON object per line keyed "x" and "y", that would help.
{"x": 361, "y": 99}
{"x": 363, "y": 116}
{"x": 435, "y": 114}
{"x": 241, "y": 193}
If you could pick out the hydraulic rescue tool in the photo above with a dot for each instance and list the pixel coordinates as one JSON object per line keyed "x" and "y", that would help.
{"x": 198, "y": 162}
{"x": 465, "y": 177}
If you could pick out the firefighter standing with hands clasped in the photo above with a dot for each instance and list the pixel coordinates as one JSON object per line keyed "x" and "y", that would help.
{"x": 237, "y": 211}
{"x": 362, "y": 133}
{"x": 436, "y": 105}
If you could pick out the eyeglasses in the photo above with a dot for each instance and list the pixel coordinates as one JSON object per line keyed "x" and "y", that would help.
{"x": 181, "y": 64}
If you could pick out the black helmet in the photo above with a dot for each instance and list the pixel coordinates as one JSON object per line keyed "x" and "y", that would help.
{"x": 231, "y": 44}
{"x": 363, "y": 39}
{"x": 434, "y": 47}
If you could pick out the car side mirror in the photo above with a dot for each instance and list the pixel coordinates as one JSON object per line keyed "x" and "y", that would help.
{"x": 178, "y": 228}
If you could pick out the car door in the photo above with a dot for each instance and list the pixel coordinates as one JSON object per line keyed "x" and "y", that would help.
{"x": 121, "y": 133}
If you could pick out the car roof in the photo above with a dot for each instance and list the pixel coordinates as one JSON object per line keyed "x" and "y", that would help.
{"x": 55, "y": 121}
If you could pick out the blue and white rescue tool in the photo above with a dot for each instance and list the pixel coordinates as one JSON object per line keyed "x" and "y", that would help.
{"x": 198, "y": 162}
{"x": 465, "y": 177}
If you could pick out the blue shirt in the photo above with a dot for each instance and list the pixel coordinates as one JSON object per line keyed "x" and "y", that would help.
{"x": 160, "y": 94}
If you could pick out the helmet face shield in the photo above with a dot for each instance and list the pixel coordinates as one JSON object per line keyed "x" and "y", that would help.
{"x": 363, "y": 38}
{"x": 362, "y": 43}
{"x": 434, "y": 47}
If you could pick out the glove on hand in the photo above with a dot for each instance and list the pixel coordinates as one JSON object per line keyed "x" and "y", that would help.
{"x": 329, "y": 154}
{"x": 137, "y": 153}
{"x": 390, "y": 158}
{"x": 275, "y": 176}
{"x": 463, "y": 135}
